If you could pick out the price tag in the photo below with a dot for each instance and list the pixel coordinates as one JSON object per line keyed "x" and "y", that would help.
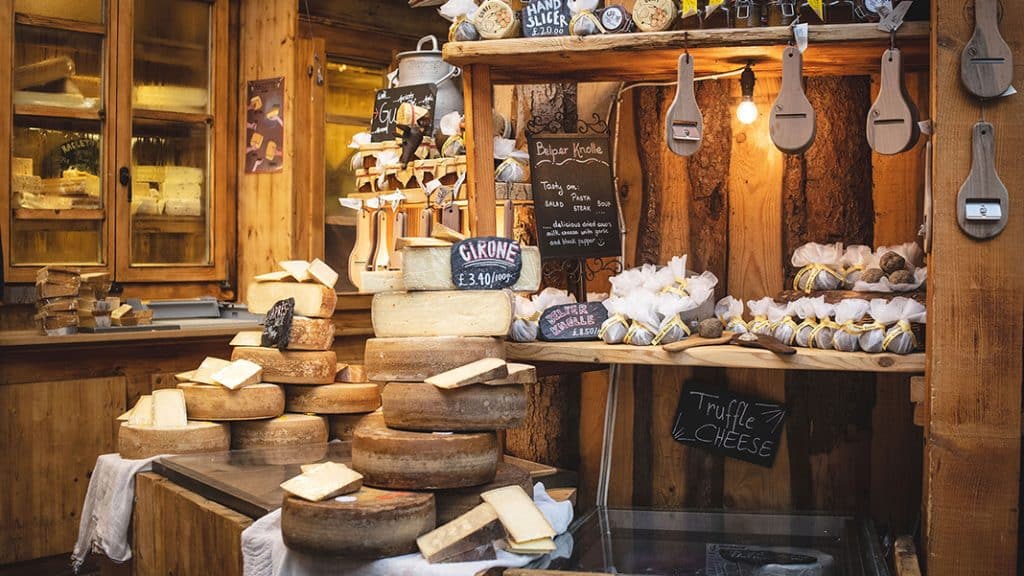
{"x": 486, "y": 263}
{"x": 572, "y": 322}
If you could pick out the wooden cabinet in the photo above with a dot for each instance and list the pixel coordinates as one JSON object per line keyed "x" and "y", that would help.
{"x": 118, "y": 159}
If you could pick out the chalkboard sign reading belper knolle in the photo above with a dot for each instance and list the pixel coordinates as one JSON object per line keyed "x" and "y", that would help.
{"x": 574, "y": 196}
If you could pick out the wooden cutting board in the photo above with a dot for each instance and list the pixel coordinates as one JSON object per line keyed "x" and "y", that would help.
{"x": 983, "y": 184}
{"x": 986, "y": 64}
{"x": 792, "y": 123}
{"x": 684, "y": 124}
{"x": 892, "y": 121}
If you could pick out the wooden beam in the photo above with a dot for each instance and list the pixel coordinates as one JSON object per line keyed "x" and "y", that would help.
{"x": 480, "y": 139}
{"x": 975, "y": 341}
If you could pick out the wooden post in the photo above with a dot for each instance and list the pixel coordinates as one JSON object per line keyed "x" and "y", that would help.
{"x": 480, "y": 139}
{"x": 975, "y": 310}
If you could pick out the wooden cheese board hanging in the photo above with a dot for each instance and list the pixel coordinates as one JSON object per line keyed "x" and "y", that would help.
{"x": 792, "y": 123}
{"x": 986, "y": 63}
{"x": 983, "y": 201}
{"x": 684, "y": 124}
{"x": 892, "y": 121}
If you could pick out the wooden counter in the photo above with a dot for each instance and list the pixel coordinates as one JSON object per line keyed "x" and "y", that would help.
{"x": 33, "y": 338}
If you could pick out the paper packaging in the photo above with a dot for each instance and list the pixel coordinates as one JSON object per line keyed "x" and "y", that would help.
{"x": 872, "y": 333}
{"x": 899, "y": 337}
{"x": 855, "y": 261}
{"x": 821, "y": 336}
{"x": 805, "y": 311}
{"x": 641, "y": 309}
{"x": 818, "y": 264}
{"x": 759, "y": 310}
{"x": 672, "y": 327}
{"x": 613, "y": 331}
{"x": 783, "y": 326}
{"x": 730, "y": 311}
{"x": 848, "y": 316}
{"x": 527, "y": 312}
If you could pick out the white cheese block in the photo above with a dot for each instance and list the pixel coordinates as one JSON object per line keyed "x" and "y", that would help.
{"x": 185, "y": 376}
{"x": 522, "y": 519}
{"x": 420, "y": 406}
{"x": 208, "y": 367}
{"x": 250, "y": 338}
{"x": 183, "y": 207}
{"x": 517, "y": 374}
{"x": 323, "y": 273}
{"x": 450, "y": 313}
{"x": 299, "y": 269}
{"x": 431, "y": 269}
{"x": 136, "y": 442}
{"x": 538, "y": 546}
{"x": 343, "y": 426}
{"x": 453, "y": 503}
{"x": 214, "y": 402}
{"x": 291, "y": 367}
{"x": 373, "y": 282}
{"x": 142, "y": 413}
{"x": 191, "y": 191}
{"x": 311, "y": 300}
{"x": 238, "y": 374}
{"x": 169, "y": 408}
{"x": 275, "y": 276}
{"x": 416, "y": 359}
{"x": 323, "y": 481}
{"x": 332, "y": 398}
{"x": 478, "y": 527}
{"x": 22, "y": 166}
{"x": 285, "y": 430}
{"x": 473, "y": 373}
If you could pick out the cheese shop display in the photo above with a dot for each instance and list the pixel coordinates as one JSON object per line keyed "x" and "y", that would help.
{"x": 421, "y": 406}
{"x": 304, "y": 334}
{"x": 215, "y": 402}
{"x": 158, "y": 424}
{"x": 343, "y": 426}
{"x": 321, "y": 481}
{"x": 430, "y": 268}
{"x": 418, "y": 358}
{"x": 168, "y": 190}
{"x": 291, "y": 367}
{"x": 454, "y": 502}
{"x": 340, "y": 398}
{"x": 285, "y": 430}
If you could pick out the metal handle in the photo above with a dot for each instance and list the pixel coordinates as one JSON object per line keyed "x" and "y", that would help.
{"x": 124, "y": 176}
{"x": 433, "y": 42}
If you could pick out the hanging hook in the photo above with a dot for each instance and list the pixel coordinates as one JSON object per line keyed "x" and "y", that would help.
{"x": 686, "y": 45}
{"x": 892, "y": 38}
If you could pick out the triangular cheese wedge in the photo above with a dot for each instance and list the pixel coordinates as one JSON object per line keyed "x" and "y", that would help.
{"x": 275, "y": 276}
{"x": 323, "y": 273}
{"x": 248, "y": 338}
{"x": 538, "y": 546}
{"x": 238, "y": 374}
{"x": 142, "y": 413}
{"x": 324, "y": 481}
{"x": 204, "y": 374}
{"x": 169, "y": 408}
{"x": 522, "y": 519}
{"x": 299, "y": 269}
{"x": 482, "y": 370}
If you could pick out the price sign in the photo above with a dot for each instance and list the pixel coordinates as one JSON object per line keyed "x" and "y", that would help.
{"x": 384, "y": 124}
{"x": 546, "y": 18}
{"x": 572, "y": 322}
{"x": 486, "y": 263}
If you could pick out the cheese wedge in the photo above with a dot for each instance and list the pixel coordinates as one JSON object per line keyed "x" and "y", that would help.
{"x": 431, "y": 269}
{"x": 298, "y": 269}
{"x": 473, "y": 373}
{"x": 312, "y": 300}
{"x": 238, "y": 374}
{"x": 250, "y": 338}
{"x": 142, "y": 413}
{"x": 478, "y": 527}
{"x": 169, "y": 408}
{"x": 324, "y": 481}
{"x": 457, "y": 501}
{"x": 420, "y": 242}
{"x": 275, "y": 276}
{"x": 448, "y": 313}
{"x": 533, "y": 547}
{"x": 323, "y": 273}
{"x": 522, "y": 519}
{"x": 517, "y": 374}
{"x": 121, "y": 311}
{"x": 442, "y": 232}
{"x": 185, "y": 376}
{"x": 209, "y": 367}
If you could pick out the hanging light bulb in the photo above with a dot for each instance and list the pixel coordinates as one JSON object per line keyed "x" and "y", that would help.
{"x": 746, "y": 112}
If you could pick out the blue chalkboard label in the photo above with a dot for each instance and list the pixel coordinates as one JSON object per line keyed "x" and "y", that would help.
{"x": 486, "y": 263}
{"x": 572, "y": 322}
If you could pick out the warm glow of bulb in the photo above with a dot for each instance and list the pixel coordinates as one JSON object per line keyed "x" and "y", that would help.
{"x": 747, "y": 112}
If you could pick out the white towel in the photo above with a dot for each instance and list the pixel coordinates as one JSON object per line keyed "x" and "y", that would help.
{"x": 264, "y": 552}
{"x": 107, "y": 512}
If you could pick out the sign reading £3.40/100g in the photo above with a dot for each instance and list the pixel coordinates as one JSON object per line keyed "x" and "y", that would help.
{"x": 486, "y": 263}
{"x": 574, "y": 196}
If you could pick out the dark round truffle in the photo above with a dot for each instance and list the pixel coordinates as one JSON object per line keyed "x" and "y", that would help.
{"x": 901, "y": 277}
{"x": 710, "y": 328}
{"x": 872, "y": 275}
{"x": 891, "y": 262}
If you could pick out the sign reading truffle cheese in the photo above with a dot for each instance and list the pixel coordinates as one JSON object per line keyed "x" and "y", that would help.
{"x": 572, "y": 322}
{"x": 574, "y": 196}
{"x": 546, "y": 18}
{"x": 486, "y": 263}
{"x": 384, "y": 123}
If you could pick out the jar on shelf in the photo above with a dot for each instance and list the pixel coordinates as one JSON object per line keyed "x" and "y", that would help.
{"x": 781, "y": 12}
{"x": 654, "y": 15}
{"x": 748, "y": 13}
{"x": 716, "y": 14}
{"x": 809, "y": 15}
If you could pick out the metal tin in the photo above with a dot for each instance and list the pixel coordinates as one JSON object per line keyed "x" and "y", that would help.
{"x": 423, "y": 66}
{"x": 748, "y": 14}
{"x": 781, "y": 12}
{"x": 615, "y": 20}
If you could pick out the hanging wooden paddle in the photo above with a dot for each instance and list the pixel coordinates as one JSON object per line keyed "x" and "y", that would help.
{"x": 986, "y": 64}
{"x": 983, "y": 201}
{"x": 792, "y": 120}
{"x": 892, "y": 121}
{"x": 684, "y": 124}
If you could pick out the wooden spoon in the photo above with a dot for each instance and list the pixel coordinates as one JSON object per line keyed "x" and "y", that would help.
{"x": 986, "y": 64}
{"x": 695, "y": 341}
{"x": 792, "y": 124}
{"x": 684, "y": 124}
{"x": 763, "y": 342}
{"x": 892, "y": 122}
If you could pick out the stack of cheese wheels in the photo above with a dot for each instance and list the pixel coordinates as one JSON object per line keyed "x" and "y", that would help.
{"x": 159, "y": 424}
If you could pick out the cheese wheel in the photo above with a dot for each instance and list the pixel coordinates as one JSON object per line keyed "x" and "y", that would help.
{"x": 332, "y": 398}
{"x": 343, "y": 426}
{"x": 416, "y": 359}
{"x": 285, "y": 430}
{"x": 446, "y": 313}
{"x": 367, "y": 524}
{"x": 455, "y": 502}
{"x": 351, "y": 373}
{"x": 479, "y": 407}
{"x": 403, "y": 460}
{"x": 430, "y": 268}
{"x": 211, "y": 402}
{"x": 287, "y": 367}
{"x": 136, "y": 442}
{"x": 313, "y": 300}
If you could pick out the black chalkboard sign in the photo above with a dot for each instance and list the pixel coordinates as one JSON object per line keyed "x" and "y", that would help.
{"x": 383, "y": 125}
{"x": 736, "y": 426}
{"x": 574, "y": 196}
{"x": 486, "y": 263}
{"x": 546, "y": 18}
{"x": 572, "y": 322}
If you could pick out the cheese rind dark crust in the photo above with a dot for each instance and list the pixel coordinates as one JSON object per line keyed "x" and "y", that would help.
{"x": 136, "y": 442}
{"x": 377, "y": 524}
{"x": 455, "y": 502}
{"x": 396, "y": 459}
{"x": 212, "y": 402}
{"x": 479, "y": 407}
{"x": 416, "y": 359}
{"x": 291, "y": 367}
{"x": 285, "y": 430}
{"x": 332, "y": 398}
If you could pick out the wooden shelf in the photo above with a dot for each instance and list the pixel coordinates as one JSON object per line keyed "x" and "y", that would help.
{"x": 60, "y": 24}
{"x": 57, "y": 112}
{"x": 70, "y": 214}
{"x": 155, "y": 115}
{"x": 163, "y": 224}
{"x": 714, "y": 356}
{"x": 839, "y": 49}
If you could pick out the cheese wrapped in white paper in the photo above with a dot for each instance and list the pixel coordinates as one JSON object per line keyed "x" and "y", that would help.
{"x": 524, "y": 323}
{"x": 856, "y": 259}
{"x": 672, "y": 327}
{"x": 641, "y": 309}
{"x": 804, "y": 309}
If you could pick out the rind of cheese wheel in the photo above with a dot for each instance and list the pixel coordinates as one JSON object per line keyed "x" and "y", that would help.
{"x": 352, "y": 373}
{"x": 453, "y": 503}
{"x": 448, "y": 313}
{"x": 291, "y": 367}
{"x": 366, "y": 524}
{"x": 431, "y": 269}
{"x": 285, "y": 430}
{"x": 343, "y": 426}
{"x": 212, "y": 402}
{"x": 305, "y": 334}
{"x": 479, "y": 407}
{"x": 137, "y": 442}
{"x": 311, "y": 299}
{"x": 416, "y": 359}
{"x": 332, "y": 398}
{"x": 402, "y": 460}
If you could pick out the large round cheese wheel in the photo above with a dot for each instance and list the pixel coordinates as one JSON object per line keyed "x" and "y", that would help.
{"x": 455, "y": 502}
{"x": 397, "y": 459}
{"x": 291, "y": 367}
{"x": 419, "y": 406}
{"x": 212, "y": 402}
{"x": 135, "y": 442}
{"x": 365, "y": 524}
{"x": 333, "y": 398}
{"x": 343, "y": 426}
{"x": 285, "y": 430}
{"x": 419, "y": 358}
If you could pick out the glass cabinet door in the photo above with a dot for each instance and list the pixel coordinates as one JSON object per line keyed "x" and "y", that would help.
{"x": 171, "y": 69}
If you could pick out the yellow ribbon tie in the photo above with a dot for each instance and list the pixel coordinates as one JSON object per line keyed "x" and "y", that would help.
{"x": 737, "y": 321}
{"x": 676, "y": 321}
{"x": 454, "y": 27}
{"x": 823, "y": 324}
{"x": 851, "y": 328}
{"x": 759, "y": 322}
{"x": 453, "y": 140}
{"x": 616, "y": 318}
{"x": 788, "y": 321}
{"x": 804, "y": 280}
{"x": 635, "y": 327}
{"x": 531, "y": 318}
{"x": 904, "y": 328}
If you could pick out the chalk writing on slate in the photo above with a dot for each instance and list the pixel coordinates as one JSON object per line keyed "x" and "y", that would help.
{"x": 729, "y": 424}
{"x": 486, "y": 263}
{"x": 574, "y": 196}
{"x": 572, "y": 322}
{"x": 546, "y": 18}
{"x": 383, "y": 124}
